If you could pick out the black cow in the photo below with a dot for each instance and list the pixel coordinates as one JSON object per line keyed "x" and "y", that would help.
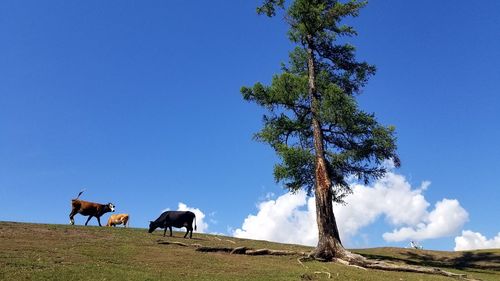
{"x": 176, "y": 219}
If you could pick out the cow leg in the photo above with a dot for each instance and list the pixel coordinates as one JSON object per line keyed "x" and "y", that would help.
{"x": 170, "y": 231}
{"x": 189, "y": 230}
{"x": 165, "y": 231}
{"x": 71, "y": 217}
{"x": 99, "y": 220}
{"x": 88, "y": 220}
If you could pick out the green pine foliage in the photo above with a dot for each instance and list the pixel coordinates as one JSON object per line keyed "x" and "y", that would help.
{"x": 355, "y": 143}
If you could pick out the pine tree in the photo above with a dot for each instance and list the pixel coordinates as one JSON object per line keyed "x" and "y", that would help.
{"x": 313, "y": 122}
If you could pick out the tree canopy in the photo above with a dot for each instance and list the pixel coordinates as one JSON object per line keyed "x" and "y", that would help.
{"x": 354, "y": 143}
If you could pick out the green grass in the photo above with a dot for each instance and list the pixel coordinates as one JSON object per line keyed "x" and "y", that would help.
{"x": 62, "y": 252}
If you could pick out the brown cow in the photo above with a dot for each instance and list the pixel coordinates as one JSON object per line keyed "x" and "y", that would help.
{"x": 118, "y": 219}
{"x": 89, "y": 209}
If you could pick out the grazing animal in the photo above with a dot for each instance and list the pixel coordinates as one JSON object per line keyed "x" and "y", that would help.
{"x": 89, "y": 209}
{"x": 176, "y": 219}
{"x": 118, "y": 219}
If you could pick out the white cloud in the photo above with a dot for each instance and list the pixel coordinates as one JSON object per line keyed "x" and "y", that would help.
{"x": 291, "y": 218}
{"x": 202, "y": 226}
{"x": 282, "y": 220}
{"x": 474, "y": 240}
{"x": 447, "y": 218}
{"x": 391, "y": 196}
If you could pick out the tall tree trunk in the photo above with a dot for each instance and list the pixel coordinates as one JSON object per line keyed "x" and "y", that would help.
{"x": 329, "y": 243}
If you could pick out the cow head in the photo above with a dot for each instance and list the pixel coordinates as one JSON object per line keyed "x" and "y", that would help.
{"x": 152, "y": 226}
{"x": 111, "y": 207}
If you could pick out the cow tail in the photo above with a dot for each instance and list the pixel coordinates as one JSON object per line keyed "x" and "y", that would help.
{"x": 194, "y": 222}
{"x": 79, "y": 194}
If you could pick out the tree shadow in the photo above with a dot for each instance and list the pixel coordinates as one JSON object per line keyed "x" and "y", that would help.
{"x": 480, "y": 260}
{"x": 483, "y": 260}
{"x": 467, "y": 260}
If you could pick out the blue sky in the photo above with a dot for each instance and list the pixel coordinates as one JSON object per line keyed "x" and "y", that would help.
{"x": 139, "y": 103}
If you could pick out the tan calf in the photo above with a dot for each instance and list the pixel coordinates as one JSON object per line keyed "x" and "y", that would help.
{"x": 118, "y": 219}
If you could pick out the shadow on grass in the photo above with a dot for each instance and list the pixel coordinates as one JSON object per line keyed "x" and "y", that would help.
{"x": 181, "y": 238}
{"x": 467, "y": 260}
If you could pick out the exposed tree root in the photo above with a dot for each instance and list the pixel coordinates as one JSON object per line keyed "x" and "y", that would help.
{"x": 348, "y": 264}
{"x": 261, "y": 252}
{"x": 249, "y": 251}
{"x": 239, "y": 251}
{"x": 346, "y": 258}
{"x": 301, "y": 259}
{"x": 324, "y": 272}
{"x": 162, "y": 242}
{"x": 416, "y": 269}
{"x": 331, "y": 250}
{"x": 358, "y": 261}
{"x": 214, "y": 249}
{"x": 172, "y": 243}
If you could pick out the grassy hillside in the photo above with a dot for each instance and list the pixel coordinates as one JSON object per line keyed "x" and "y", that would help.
{"x": 60, "y": 252}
